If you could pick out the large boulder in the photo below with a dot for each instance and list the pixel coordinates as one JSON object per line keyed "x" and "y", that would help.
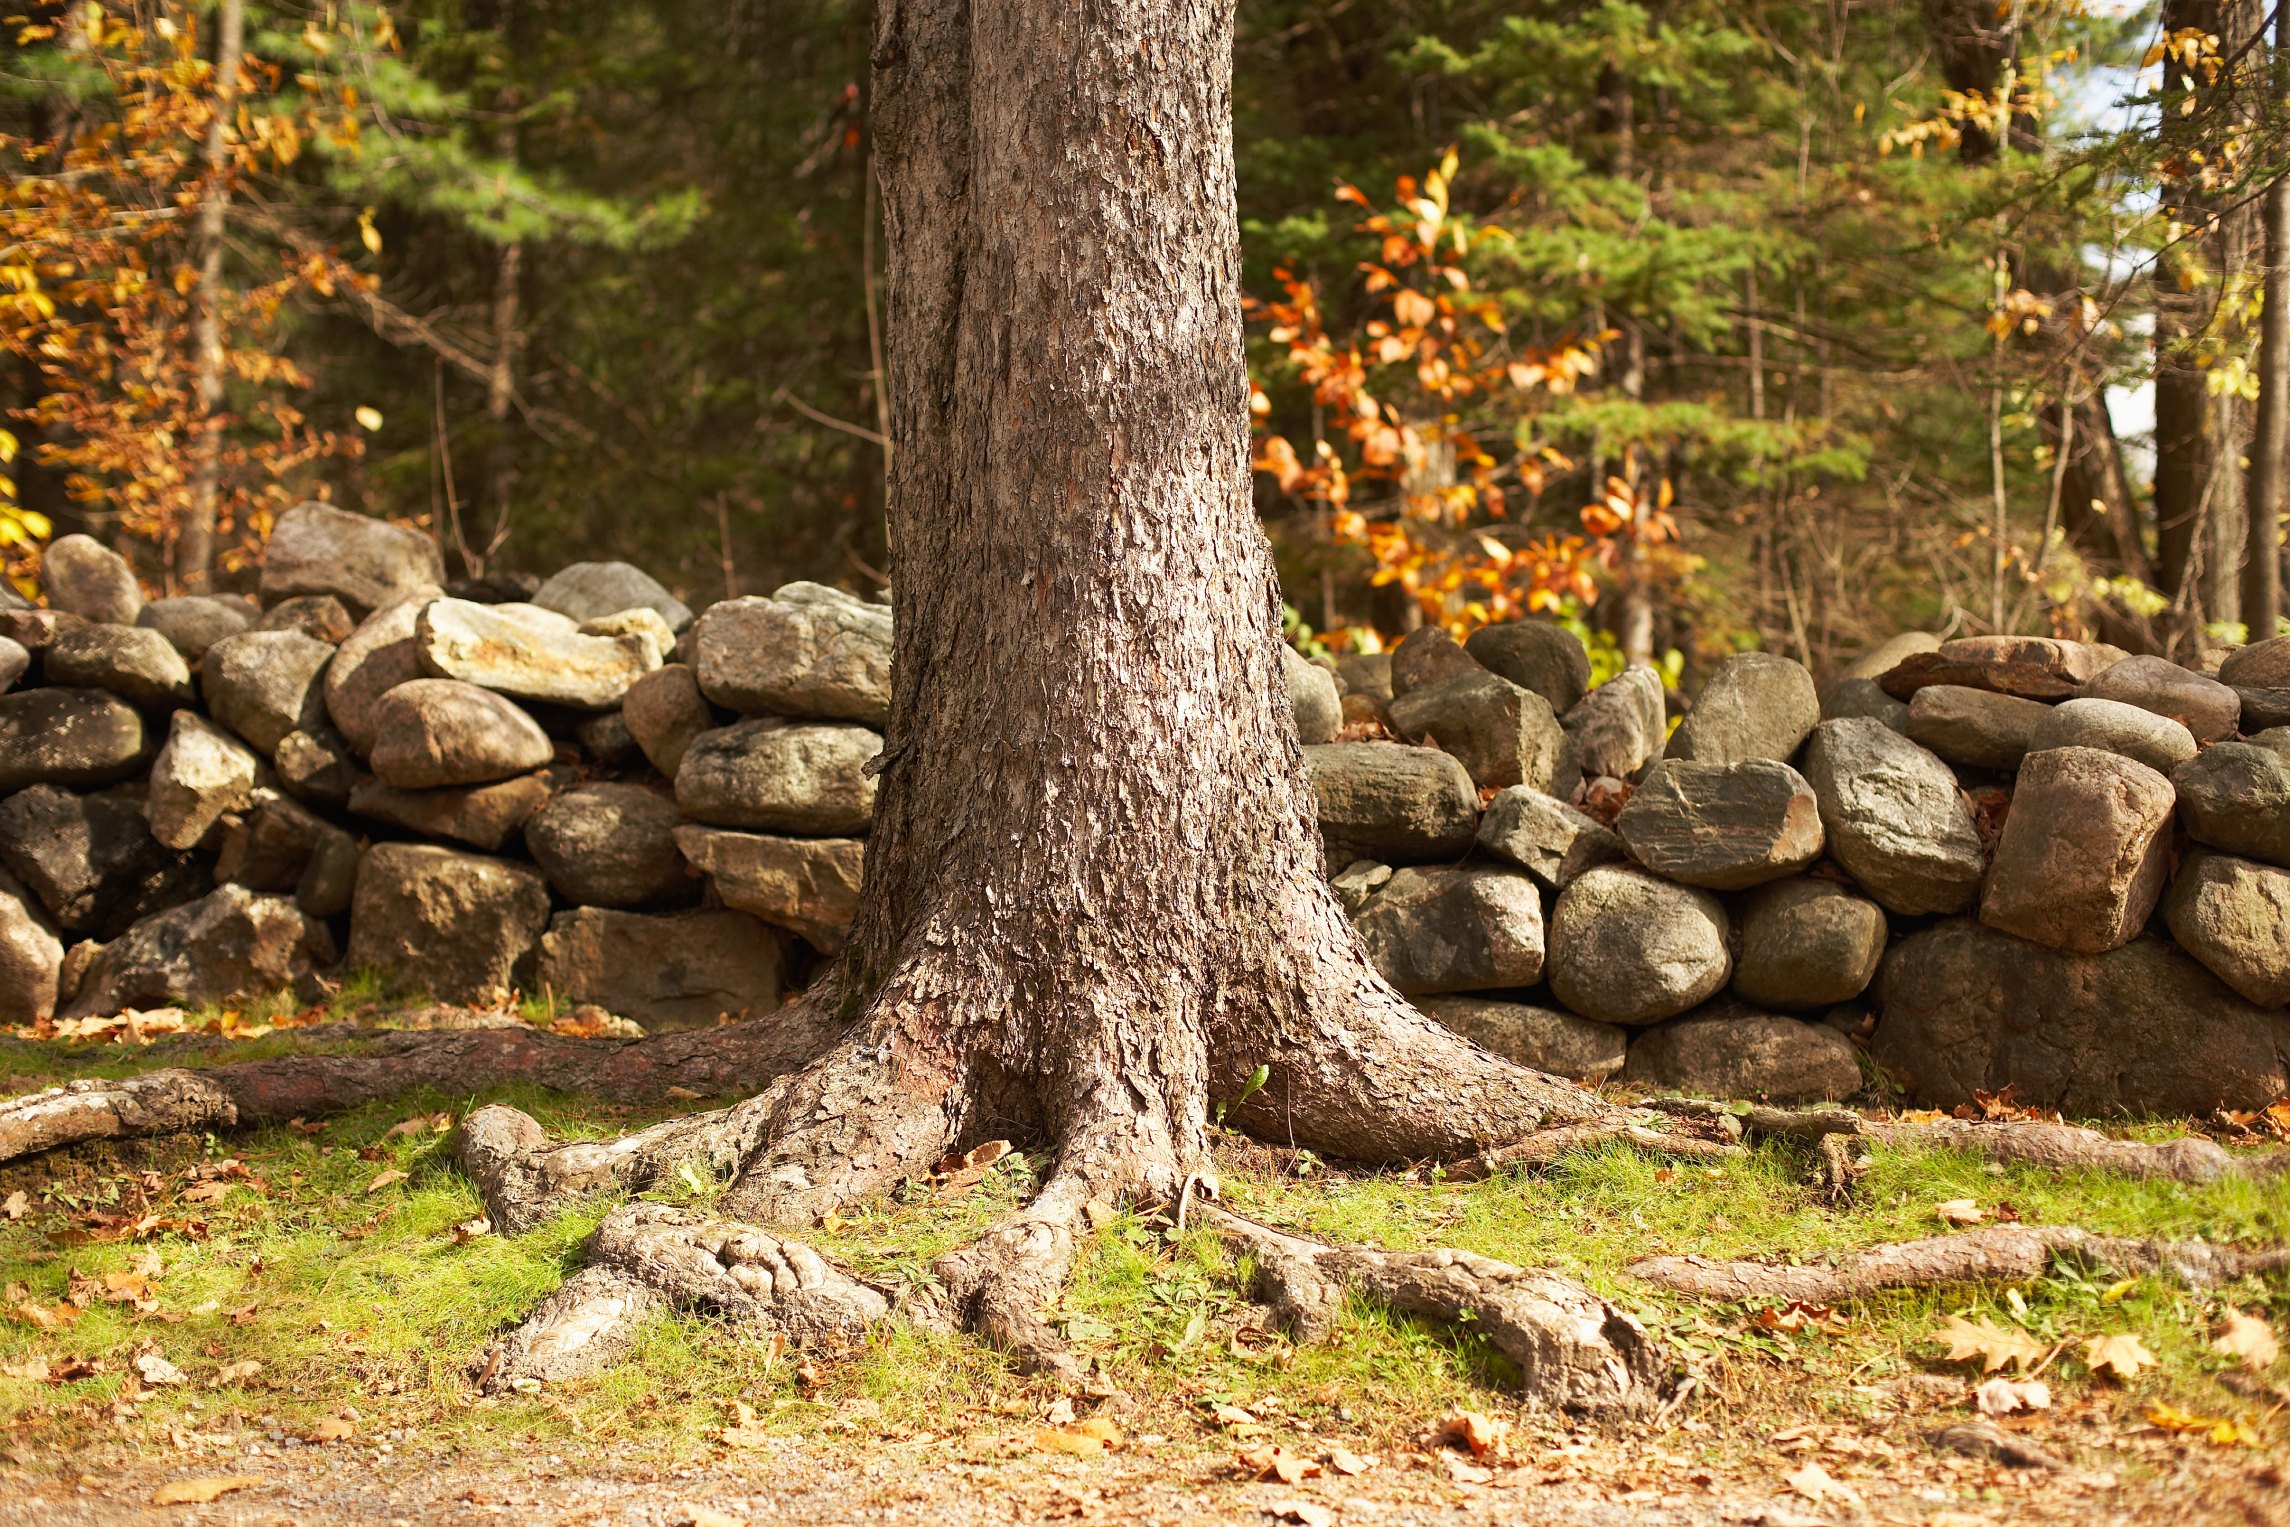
{"x": 482, "y": 816}
{"x": 437, "y": 732}
{"x": 2234, "y": 916}
{"x": 192, "y": 622}
{"x": 321, "y": 617}
{"x": 809, "y": 886}
{"x": 277, "y": 844}
{"x": 90, "y": 580}
{"x": 372, "y": 660}
{"x": 31, "y": 956}
{"x": 1756, "y": 705}
{"x": 2084, "y": 853}
{"x": 2261, "y": 665}
{"x": 1616, "y": 730}
{"x": 1454, "y": 930}
{"x": 683, "y": 972}
{"x": 1544, "y": 1038}
{"x": 528, "y": 653}
{"x": 1536, "y": 655}
{"x": 2263, "y": 709}
{"x": 135, "y": 663}
{"x": 2142, "y": 1029}
{"x": 609, "y": 845}
{"x": 781, "y": 776}
{"x": 805, "y": 651}
{"x": 1722, "y": 826}
{"x": 1976, "y": 727}
{"x": 1427, "y": 656}
{"x": 264, "y": 684}
{"x": 2206, "y": 708}
{"x": 1807, "y": 944}
{"x": 1863, "y": 698}
{"x": 201, "y": 773}
{"x": 587, "y": 590}
{"x": 67, "y": 737}
{"x": 1626, "y": 947}
{"x": 2032, "y": 667}
{"x": 1383, "y": 801}
{"x": 366, "y": 563}
{"x": 1546, "y": 837}
{"x": 2236, "y": 796}
{"x": 1733, "y": 1053}
{"x": 229, "y": 946}
{"x": 460, "y": 927}
{"x": 1312, "y": 696}
{"x": 2113, "y": 726}
{"x": 666, "y": 713}
{"x": 91, "y": 859}
{"x": 1894, "y": 817}
{"x": 1502, "y": 734}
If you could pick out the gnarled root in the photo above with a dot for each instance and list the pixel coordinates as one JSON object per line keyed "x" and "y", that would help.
{"x": 1575, "y": 1351}
{"x": 160, "y": 1103}
{"x": 2012, "y": 1253}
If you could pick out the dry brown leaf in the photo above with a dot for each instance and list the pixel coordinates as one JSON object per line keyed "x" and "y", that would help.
{"x": 157, "y": 1371}
{"x": 47, "y": 1318}
{"x": 384, "y": 1179}
{"x": 1816, "y": 1485}
{"x": 236, "y": 1373}
{"x": 985, "y": 1155}
{"x": 17, "y": 1204}
{"x": 1272, "y": 1461}
{"x": 2248, "y": 1340}
{"x": 2122, "y": 1355}
{"x": 1995, "y": 1346}
{"x": 33, "y": 1368}
{"x": 1310, "y": 1513}
{"x": 1232, "y": 1415}
{"x": 1476, "y": 1434}
{"x": 333, "y": 1429}
{"x": 1960, "y": 1211}
{"x": 1068, "y": 1439}
{"x": 197, "y": 1492}
{"x": 1464, "y": 1472}
{"x": 2004, "y": 1397}
{"x": 1346, "y": 1462}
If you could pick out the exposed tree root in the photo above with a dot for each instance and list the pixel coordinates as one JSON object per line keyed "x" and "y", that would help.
{"x": 1642, "y": 1130}
{"x": 1575, "y": 1352}
{"x": 2012, "y": 1253}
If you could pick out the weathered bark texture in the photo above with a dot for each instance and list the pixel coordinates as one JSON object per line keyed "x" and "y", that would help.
{"x": 195, "y": 538}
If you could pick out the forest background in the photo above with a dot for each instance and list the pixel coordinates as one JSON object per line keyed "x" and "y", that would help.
{"x": 1700, "y": 324}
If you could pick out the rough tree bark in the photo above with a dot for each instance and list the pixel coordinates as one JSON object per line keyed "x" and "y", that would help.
{"x": 195, "y": 539}
{"x": 2270, "y": 447}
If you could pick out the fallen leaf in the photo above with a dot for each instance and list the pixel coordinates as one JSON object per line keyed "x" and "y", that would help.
{"x": 1232, "y": 1415}
{"x": 17, "y": 1205}
{"x": 1995, "y": 1346}
{"x": 1960, "y": 1211}
{"x": 236, "y": 1373}
{"x": 2221, "y": 1431}
{"x": 384, "y": 1179}
{"x": 1273, "y": 1461}
{"x": 2121, "y": 1355}
{"x": 2004, "y": 1397}
{"x": 2247, "y": 1339}
{"x": 1465, "y": 1473}
{"x": 2115, "y": 1291}
{"x": 1348, "y": 1463}
{"x": 1310, "y": 1513}
{"x": 33, "y": 1368}
{"x": 197, "y": 1492}
{"x": 47, "y": 1318}
{"x": 205, "y": 1192}
{"x": 1469, "y": 1430}
{"x": 333, "y": 1429}
{"x": 986, "y": 1155}
{"x": 1816, "y": 1485}
{"x": 1068, "y": 1439}
{"x": 156, "y": 1370}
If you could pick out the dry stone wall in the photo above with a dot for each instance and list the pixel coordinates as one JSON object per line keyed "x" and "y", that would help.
{"x": 1964, "y": 865}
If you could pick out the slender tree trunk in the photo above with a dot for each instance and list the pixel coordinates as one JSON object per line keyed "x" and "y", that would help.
{"x": 2262, "y": 556}
{"x": 195, "y": 539}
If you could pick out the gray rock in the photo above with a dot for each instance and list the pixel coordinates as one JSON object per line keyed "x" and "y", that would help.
{"x": 1756, "y": 705}
{"x": 1894, "y": 817}
{"x": 461, "y": 927}
{"x": 2085, "y": 852}
{"x": 2263, "y": 709}
{"x": 373, "y": 660}
{"x": 1724, "y": 827}
{"x": 36, "y": 630}
{"x": 1358, "y": 881}
{"x": 2032, "y": 667}
{"x": 1383, "y": 801}
{"x": 193, "y": 622}
{"x": 503, "y": 648}
{"x": 229, "y": 946}
{"x": 1427, "y": 656}
{"x": 1368, "y": 675}
{"x": 495, "y": 588}
{"x": 606, "y": 742}
{"x": 264, "y": 684}
{"x": 805, "y": 651}
{"x": 781, "y": 777}
{"x": 1454, "y": 930}
{"x": 2276, "y": 738}
{"x": 686, "y": 972}
{"x": 2261, "y": 665}
{"x": 91, "y": 859}
{"x": 1619, "y": 728}
{"x": 433, "y": 733}
{"x": 2236, "y": 796}
{"x": 1977, "y": 727}
{"x": 2205, "y": 707}
{"x": 15, "y": 662}
{"x": 317, "y": 766}
{"x": 321, "y": 617}
{"x": 2234, "y": 916}
{"x": 482, "y": 816}
{"x": 366, "y": 563}
{"x": 1502, "y": 734}
{"x": 1544, "y": 1038}
{"x": 1731, "y": 1053}
{"x": 1887, "y": 655}
{"x": 139, "y": 665}
{"x": 31, "y": 957}
{"x": 644, "y": 625}
{"x": 1312, "y": 695}
{"x": 1807, "y": 944}
{"x": 201, "y": 773}
{"x": 666, "y": 713}
{"x": 1536, "y": 655}
{"x": 587, "y": 590}
{"x": 276, "y": 844}
{"x": 2115, "y": 727}
{"x": 1864, "y": 698}
{"x": 609, "y": 845}
{"x": 67, "y": 737}
{"x": 1628, "y": 948}
{"x": 1544, "y": 836}
{"x": 2142, "y": 1029}
{"x": 809, "y": 886}
{"x": 90, "y": 580}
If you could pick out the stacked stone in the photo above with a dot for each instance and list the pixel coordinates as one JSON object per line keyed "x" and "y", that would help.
{"x": 1996, "y": 861}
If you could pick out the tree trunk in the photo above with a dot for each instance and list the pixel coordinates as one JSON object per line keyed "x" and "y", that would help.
{"x": 2262, "y": 555}
{"x": 195, "y": 539}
